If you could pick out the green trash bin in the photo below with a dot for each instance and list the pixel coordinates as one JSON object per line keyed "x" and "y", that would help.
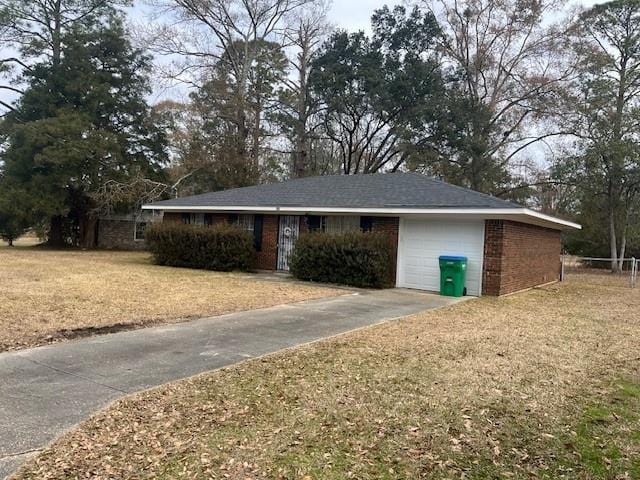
{"x": 453, "y": 270}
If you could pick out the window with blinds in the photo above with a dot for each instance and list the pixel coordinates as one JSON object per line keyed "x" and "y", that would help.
{"x": 339, "y": 224}
{"x": 193, "y": 218}
{"x": 244, "y": 221}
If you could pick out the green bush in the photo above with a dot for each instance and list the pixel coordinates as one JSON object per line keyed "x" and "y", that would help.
{"x": 354, "y": 258}
{"x": 221, "y": 247}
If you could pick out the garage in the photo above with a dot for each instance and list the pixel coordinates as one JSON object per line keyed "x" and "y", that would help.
{"x": 509, "y": 247}
{"x": 422, "y": 241}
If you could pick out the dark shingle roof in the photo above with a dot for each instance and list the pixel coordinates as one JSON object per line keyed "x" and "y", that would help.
{"x": 381, "y": 190}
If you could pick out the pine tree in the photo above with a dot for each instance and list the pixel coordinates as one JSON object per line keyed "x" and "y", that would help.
{"x": 82, "y": 121}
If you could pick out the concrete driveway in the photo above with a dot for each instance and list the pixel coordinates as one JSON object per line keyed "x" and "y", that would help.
{"x": 45, "y": 391}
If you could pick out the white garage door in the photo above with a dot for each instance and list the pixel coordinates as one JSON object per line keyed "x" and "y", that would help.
{"x": 421, "y": 242}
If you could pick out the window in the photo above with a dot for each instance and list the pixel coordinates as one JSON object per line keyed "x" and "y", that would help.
{"x": 366, "y": 224}
{"x": 193, "y": 218}
{"x": 315, "y": 223}
{"x": 245, "y": 222}
{"x": 250, "y": 223}
{"x": 258, "y": 220}
{"x": 333, "y": 224}
{"x": 339, "y": 224}
{"x": 138, "y": 232}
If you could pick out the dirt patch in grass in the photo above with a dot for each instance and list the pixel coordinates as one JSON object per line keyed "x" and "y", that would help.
{"x": 48, "y": 295}
{"x": 543, "y": 384}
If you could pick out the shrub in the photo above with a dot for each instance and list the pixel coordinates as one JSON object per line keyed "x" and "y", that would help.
{"x": 221, "y": 247}
{"x": 354, "y": 258}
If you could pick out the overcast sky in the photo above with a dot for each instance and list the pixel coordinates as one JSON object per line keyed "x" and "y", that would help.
{"x": 346, "y": 14}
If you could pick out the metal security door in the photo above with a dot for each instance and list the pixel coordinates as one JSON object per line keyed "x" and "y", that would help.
{"x": 287, "y": 236}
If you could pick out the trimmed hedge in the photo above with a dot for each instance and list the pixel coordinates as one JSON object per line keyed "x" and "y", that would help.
{"x": 221, "y": 247}
{"x": 353, "y": 258}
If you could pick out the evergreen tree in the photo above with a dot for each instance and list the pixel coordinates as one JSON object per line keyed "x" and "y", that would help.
{"x": 82, "y": 121}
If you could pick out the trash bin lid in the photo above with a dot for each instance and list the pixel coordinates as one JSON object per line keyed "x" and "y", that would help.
{"x": 454, "y": 258}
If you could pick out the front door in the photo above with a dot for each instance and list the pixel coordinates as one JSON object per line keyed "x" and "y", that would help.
{"x": 287, "y": 236}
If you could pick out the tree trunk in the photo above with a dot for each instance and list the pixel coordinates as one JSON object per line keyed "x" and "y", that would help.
{"x": 56, "y": 34}
{"x": 256, "y": 135}
{"x": 10, "y": 241}
{"x": 300, "y": 154}
{"x": 88, "y": 232}
{"x": 623, "y": 247}
{"x": 623, "y": 241}
{"x": 301, "y": 143}
{"x": 56, "y": 232}
{"x": 613, "y": 242}
{"x": 475, "y": 179}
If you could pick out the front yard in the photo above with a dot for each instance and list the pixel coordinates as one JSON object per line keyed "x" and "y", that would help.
{"x": 48, "y": 295}
{"x": 543, "y": 384}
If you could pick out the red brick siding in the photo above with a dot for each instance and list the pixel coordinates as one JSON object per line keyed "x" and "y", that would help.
{"x": 519, "y": 256}
{"x": 389, "y": 226}
{"x": 172, "y": 217}
{"x": 267, "y": 257}
{"x": 492, "y": 262}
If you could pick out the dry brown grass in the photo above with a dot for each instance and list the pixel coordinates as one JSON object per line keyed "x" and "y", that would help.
{"x": 543, "y": 384}
{"x": 47, "y": 295}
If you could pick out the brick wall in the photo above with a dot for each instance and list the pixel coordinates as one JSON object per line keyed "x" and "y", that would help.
{"x": 172, "y": 217}
{"x": 389, "y": 226}
{"x": 492, "y": 262}
{"x": 118, "y": 235}
{"x": 267, "y": 257}
{"x": 176, "y": 217}
{"x": 519, "y": 256}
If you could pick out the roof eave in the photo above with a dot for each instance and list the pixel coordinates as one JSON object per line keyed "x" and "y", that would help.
{"x": 525, "y": 215}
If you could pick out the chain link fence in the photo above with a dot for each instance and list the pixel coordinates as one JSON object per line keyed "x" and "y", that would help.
{"x": 598, "y": 270}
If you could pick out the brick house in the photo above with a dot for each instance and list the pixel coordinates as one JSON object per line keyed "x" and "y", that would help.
{"x": 508, "y": 247}
{"x": 123, "y": 231}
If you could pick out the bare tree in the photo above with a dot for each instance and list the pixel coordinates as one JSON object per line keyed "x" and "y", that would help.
{"x": 229, "y": 51}
{"x": 203, "y": 33}
{"x": 509, "y": 67}
{"x": 603, "y": 107}
{"x": 297, "y": 112}
{"x": 366, "y": 141}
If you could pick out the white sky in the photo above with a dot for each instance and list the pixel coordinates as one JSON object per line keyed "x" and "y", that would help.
{"x": 351, "y": 15}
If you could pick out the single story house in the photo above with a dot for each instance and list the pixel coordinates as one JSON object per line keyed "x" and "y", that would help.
{"x": 509, "y": 247}
{"x": 124, "y": 231}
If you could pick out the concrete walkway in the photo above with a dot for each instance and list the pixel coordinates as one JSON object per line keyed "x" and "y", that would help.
{"x": 45, "y": 391}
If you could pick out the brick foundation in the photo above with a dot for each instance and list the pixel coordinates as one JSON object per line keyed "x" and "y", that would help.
{"x": 519, "y": 256}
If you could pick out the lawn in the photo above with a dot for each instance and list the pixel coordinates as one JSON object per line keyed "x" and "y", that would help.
{"x": 543, "y": 384}
{"x": 48, "y": 295}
